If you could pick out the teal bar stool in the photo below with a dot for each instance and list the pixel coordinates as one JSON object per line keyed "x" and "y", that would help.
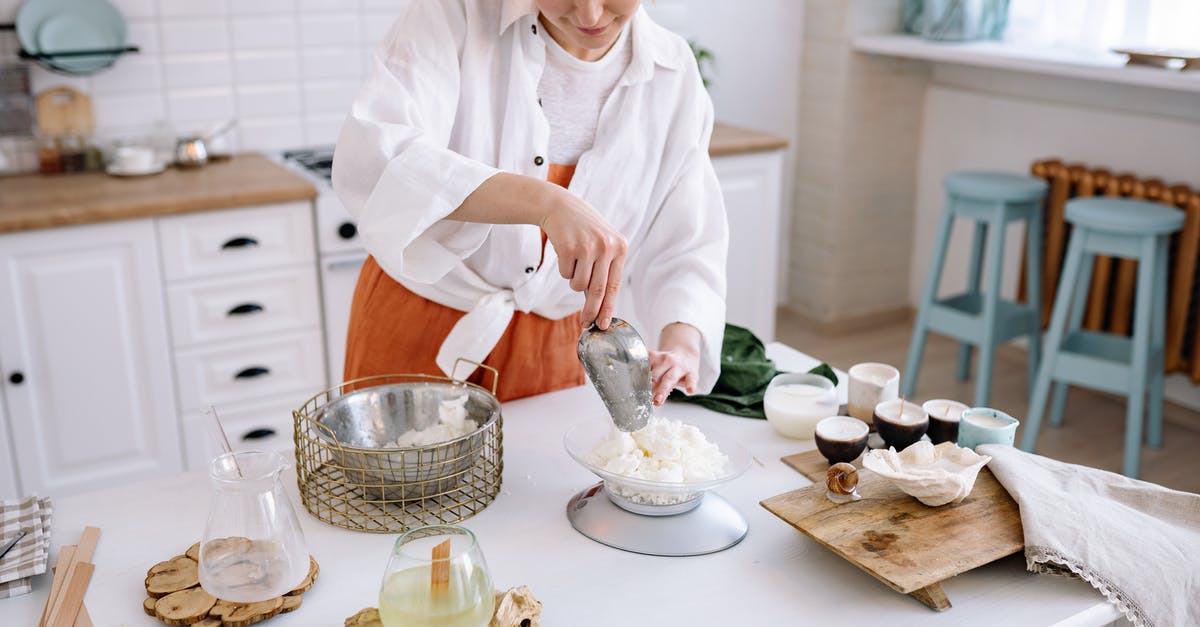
{"x": 1117, "y": 227}
{"x": 979, "y": 317}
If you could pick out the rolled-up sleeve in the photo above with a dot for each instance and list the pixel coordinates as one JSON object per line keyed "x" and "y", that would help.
{"x": 392, "y": 168}
{"x": 680, "y": 270}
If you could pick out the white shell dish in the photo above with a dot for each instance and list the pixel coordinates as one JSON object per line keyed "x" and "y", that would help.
{"x": 935, "y": 475}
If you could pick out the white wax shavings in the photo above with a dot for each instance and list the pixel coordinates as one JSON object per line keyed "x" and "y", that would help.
{"x": 664, "y": 450}
{"x": 452, "y": 423}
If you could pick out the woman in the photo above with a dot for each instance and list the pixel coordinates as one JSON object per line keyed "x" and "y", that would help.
{"x": 520, "y": 170}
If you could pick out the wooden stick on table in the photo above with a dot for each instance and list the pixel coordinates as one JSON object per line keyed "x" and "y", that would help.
{"x": 66, "y": 562}
{"x": 66, "y": 606}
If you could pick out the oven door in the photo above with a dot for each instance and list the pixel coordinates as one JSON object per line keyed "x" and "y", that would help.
{"x": 339, "y": 275}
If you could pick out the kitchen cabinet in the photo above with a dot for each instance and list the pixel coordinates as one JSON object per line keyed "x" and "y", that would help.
{"x": 752, "y": 186}
{"x": 245, "y": 313}
{"x": 84, "y": 354}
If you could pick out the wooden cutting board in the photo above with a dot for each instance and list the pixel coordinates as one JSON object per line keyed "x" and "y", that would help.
{"x": 895, "y": 538}
{"x": 64, "y": 110}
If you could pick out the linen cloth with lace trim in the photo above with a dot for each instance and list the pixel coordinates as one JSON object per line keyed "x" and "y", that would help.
{"x": 1136, "y": 542}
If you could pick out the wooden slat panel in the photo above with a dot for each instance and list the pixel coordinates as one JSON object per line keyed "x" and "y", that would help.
{"x": 1097, "y": 305}
{"x": 1056, "y": 234}
{"x": 1179, "y": 299}
{"x": 1122, "y": 303}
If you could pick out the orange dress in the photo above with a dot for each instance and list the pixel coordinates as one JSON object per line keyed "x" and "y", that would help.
{"x": 394, "y": 331}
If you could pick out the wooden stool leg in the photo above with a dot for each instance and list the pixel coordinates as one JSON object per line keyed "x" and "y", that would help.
{"x": 974, "y": 276}
{"x": 1158, "y": 346}
{"x": 991, "y": 304}
{"x": 916, "y": 349}
{"x": 1142, "y": 316}
{"x": 1078, "y": 305}
{"x": 1033, "y": 289}
{"x": 1058, "y": 321}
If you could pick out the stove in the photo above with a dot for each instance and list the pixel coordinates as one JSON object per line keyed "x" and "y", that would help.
{"x": 317, "y": 161}
{"x": 341, "y": 251}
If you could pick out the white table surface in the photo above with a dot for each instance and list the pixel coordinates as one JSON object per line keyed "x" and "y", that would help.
{"x": 775, "y": 576}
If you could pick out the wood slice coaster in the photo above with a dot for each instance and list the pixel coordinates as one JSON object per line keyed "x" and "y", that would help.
{"x": 174, "y": 595}
{"x": 895, "y": 538}
{"x": 515, "y": 608}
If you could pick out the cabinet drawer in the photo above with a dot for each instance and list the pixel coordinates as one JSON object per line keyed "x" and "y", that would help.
{"x": 225, "y": 308}
{"x": 240, "y": 371}
{"x": 237, "y": 240}
{"x": 263, "y": 426}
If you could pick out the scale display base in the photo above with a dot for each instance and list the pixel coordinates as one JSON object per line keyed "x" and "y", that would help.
{"x": 712, "y": 526}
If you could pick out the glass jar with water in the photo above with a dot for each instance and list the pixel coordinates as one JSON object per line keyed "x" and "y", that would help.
{"x": 253, "y": 548}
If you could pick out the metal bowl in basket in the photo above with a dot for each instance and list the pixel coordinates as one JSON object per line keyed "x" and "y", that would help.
{"x": 363, "y": 425}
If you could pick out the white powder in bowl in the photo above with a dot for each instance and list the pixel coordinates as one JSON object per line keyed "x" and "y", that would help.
{"x": 452, "y": 423}
{"x": 664, "y": 450}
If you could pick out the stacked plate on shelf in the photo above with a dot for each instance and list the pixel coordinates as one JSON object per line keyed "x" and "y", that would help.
{"x": 29, "y": 520}
{"x": 50, "y": 28}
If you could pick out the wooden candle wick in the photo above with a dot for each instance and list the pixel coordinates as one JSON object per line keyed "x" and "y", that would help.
{"x": 439, "y": 573}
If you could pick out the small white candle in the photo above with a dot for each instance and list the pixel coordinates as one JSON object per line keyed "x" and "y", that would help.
{"x": 987, "y": 422}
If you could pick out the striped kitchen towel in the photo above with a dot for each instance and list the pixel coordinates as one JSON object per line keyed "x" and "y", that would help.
{"x": 29, "y": 556}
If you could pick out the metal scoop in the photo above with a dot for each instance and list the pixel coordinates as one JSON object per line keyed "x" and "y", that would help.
{"x": 618, "y": 364}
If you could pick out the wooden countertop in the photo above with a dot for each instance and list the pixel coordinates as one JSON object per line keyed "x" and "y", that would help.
{"x": 734, "y": 140}
{"x": 34, "y": 201}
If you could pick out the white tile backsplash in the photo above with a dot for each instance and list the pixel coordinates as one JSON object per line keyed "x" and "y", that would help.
{"x": 265, "y": 101}
{"x": 195, "y": 35}
{"x": 264, "y": 66}
{"x": 258, "y": 7}
{"x": 208, "y": 69}
{"x": 129, "y": 109}
{"x": 329, "y": 96}
{"x": 135, "y": 8}
{"x": 132, "y": 72}
{"x": 325, "y": 29}
{"x": 328, "y": 5}
{"x": 287, "y": 70}
{"x": 194, "y": 8}
{"x": 143, "y": 33}
{"x": 324, "y": 63}
{"x": 258, "y": 32}
{"x": 322, "y": 129}
{"x": 273, "y": 133}
{"x": 191, "y": 108}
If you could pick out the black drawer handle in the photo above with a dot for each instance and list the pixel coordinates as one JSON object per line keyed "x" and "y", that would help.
{"x": 252, "y": 372}
{"x": 259, "y": 434}
{"x": 244, "y": 309}
{"x": 239, "y": 242}
{"x": 347, "y": 230}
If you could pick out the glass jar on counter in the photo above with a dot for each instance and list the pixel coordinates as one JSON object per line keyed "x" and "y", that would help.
{"x": 49, "y": 159}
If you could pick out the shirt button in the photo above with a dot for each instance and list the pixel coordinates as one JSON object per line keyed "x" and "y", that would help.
{"x": 529, "y": 270}
{"x": 534, "y": 29}
{"x": 538, "y": 160}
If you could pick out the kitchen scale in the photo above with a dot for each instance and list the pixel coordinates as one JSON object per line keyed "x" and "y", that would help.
{"x": 672, "y": 519}
{"x": 713, "y": 525}
{"x": 667, "y": 518}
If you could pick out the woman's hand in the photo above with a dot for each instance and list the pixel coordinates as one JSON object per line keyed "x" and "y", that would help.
{"x": 591, "y": 253}
{"x": 676, "y": 363}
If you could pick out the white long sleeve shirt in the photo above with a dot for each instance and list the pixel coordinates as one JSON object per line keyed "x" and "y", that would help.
{"x": 452, "y": 99}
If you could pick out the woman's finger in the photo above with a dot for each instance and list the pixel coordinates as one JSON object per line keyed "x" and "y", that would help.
{"x": 612, "y": 286}
{"x": 666, "y": 383}
{"x": 596, "y": 289}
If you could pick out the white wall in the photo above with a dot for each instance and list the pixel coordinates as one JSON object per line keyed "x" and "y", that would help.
{"x": 756, "y": 73}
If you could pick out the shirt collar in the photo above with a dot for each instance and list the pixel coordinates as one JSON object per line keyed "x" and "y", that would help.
{"x": 652, "y": 43}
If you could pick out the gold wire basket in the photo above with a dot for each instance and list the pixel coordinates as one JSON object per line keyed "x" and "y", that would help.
{"x": 350, "y": 477}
